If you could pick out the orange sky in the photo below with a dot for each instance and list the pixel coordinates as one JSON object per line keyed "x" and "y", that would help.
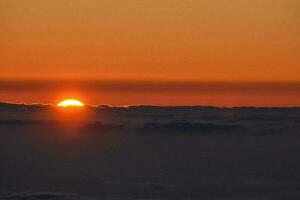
{"x": 200, "y": 40}
{"x": 119, "y": 93}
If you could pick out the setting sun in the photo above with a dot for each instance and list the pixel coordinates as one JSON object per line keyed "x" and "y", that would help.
{"x": 70, "y": 103}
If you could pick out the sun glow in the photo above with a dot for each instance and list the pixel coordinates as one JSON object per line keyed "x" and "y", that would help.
{"x": 70, "y": 103}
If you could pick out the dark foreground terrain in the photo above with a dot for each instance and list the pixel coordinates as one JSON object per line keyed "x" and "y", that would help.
{"x": 147, "y": 152}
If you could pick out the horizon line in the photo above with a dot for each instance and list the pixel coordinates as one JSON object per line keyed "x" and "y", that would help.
{"x": 149, "y": 105}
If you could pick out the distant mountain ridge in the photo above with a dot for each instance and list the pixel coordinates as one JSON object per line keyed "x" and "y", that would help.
{"x": 154, "y": 113}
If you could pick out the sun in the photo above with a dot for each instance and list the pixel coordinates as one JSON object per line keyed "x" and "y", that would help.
{"x": 70, "y": 103}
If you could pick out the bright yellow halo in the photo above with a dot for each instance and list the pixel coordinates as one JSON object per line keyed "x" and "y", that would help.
{"x": 70, "y": 103}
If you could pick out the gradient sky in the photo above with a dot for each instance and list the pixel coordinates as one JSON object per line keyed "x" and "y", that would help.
{"x": 202, "y": 40}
